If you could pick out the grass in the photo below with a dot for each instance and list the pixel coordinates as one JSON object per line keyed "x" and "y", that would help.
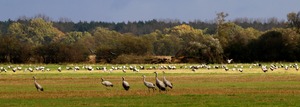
{"x": 214, "y": 87}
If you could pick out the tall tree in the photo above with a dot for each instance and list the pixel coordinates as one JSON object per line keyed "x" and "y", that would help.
{"x": 294, "y": 20}
{"x": 37, "y": 32}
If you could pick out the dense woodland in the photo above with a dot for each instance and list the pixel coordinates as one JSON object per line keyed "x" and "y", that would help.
{"x": 41, "y": 40}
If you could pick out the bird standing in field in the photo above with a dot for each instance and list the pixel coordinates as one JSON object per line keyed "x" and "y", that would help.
{"x": 264, "y": 68}
{"x": 166, "y": 82}
{"x": 161, "y": 86}
{"x": 106, "y": 83}
{"x": 59, "y": 69}
{"x": 37, "y": 85}
{"x": 125, "y": 84}
{"x": 148, "y": 84}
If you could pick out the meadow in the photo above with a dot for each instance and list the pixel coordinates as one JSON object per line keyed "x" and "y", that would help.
{"x": 214, "y": 87}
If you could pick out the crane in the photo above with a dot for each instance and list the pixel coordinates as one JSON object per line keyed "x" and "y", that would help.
{"x": 106, "y": 83}
{"x": 161, "y": 86}
{"x": 149, "y": 85}
{"x": 37, "y": 85}
{"x": 166, "y": 82}
{"x": 125, "y": 84}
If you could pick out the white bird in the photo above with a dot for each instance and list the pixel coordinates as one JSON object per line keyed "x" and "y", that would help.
{"x": 135, "y": 70}
{"x": 229, "y": 61}
{"x": 125, "y": 84}
{"x": 90, "y": 68}
{"x": 240, "y": 69}
{"x": 59, "y": 69}
{"x": 30, "y": 69}
{"x": 161, "y": 86}
{"x": 14, "y": 69}
{"x": 226, "y": 68}
{"x": 76, "y": 68}
{"x": 37, "y": 85}
{"x": 264, "y": 68}
{"x": 286, "y": 67}
{"x": 193, "y": 69}
{"x": 166, "y": 82}
{"x": 148, "y": 84}
{"x": 106, "y": 83}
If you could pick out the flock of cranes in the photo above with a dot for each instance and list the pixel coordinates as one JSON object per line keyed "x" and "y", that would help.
{"x": 124, "y": 69}
{"x": 161, "y": 85}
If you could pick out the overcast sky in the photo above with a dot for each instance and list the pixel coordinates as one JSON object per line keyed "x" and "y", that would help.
{"x": 135, "y": 10}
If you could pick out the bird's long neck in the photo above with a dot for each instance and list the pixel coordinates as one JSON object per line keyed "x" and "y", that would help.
{"x": 144, "y": 79}
{"x": 156, "y": 77}
{"x": 34, "y": 79}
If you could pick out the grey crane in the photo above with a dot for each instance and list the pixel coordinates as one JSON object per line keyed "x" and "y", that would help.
{"x": 161, "y": 86}
{"x": 148, "y": 84}
{"x": 37, "y": 85}
{"x": 125, "y": 84}
{"x": 106, "y": 83}
{"x": 166, "y": 82}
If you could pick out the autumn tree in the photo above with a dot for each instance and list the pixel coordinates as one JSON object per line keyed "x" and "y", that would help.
{"x": 36, "y": 32}
{"x": 195, "y": 43}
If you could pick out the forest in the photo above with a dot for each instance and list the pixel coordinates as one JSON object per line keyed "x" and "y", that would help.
{"x": 38, "y": 39}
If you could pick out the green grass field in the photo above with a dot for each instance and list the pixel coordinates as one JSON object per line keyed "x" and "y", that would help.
{"x": 214, "y": 87}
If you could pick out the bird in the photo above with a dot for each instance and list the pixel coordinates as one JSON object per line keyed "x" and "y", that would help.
{"x": 166, "y": 82}
{"x": 30, "y": 69}
{"x": 193, "y": 69}
{"x": 125, "y": 84}
{"x": 264, "y": 68}
{"x": 106, "y": 83}
{"x": 240, "y": 69}
{"x": 59, "y": 69}
{"x": 226, "y": 68}
{"x": 161, "y": 86}
{"x": 14, "y": 69}
{"x": 286, "y": 67}
{"x": 37, "y": 85}
{"x": 229, "y": 61}
{"x": 149, "y": 85}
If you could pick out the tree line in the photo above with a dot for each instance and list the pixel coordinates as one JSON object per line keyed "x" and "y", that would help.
{"x": 40, "y": 40}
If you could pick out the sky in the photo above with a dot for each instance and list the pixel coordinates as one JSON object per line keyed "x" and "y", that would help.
{"x": 143, "y": 10}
